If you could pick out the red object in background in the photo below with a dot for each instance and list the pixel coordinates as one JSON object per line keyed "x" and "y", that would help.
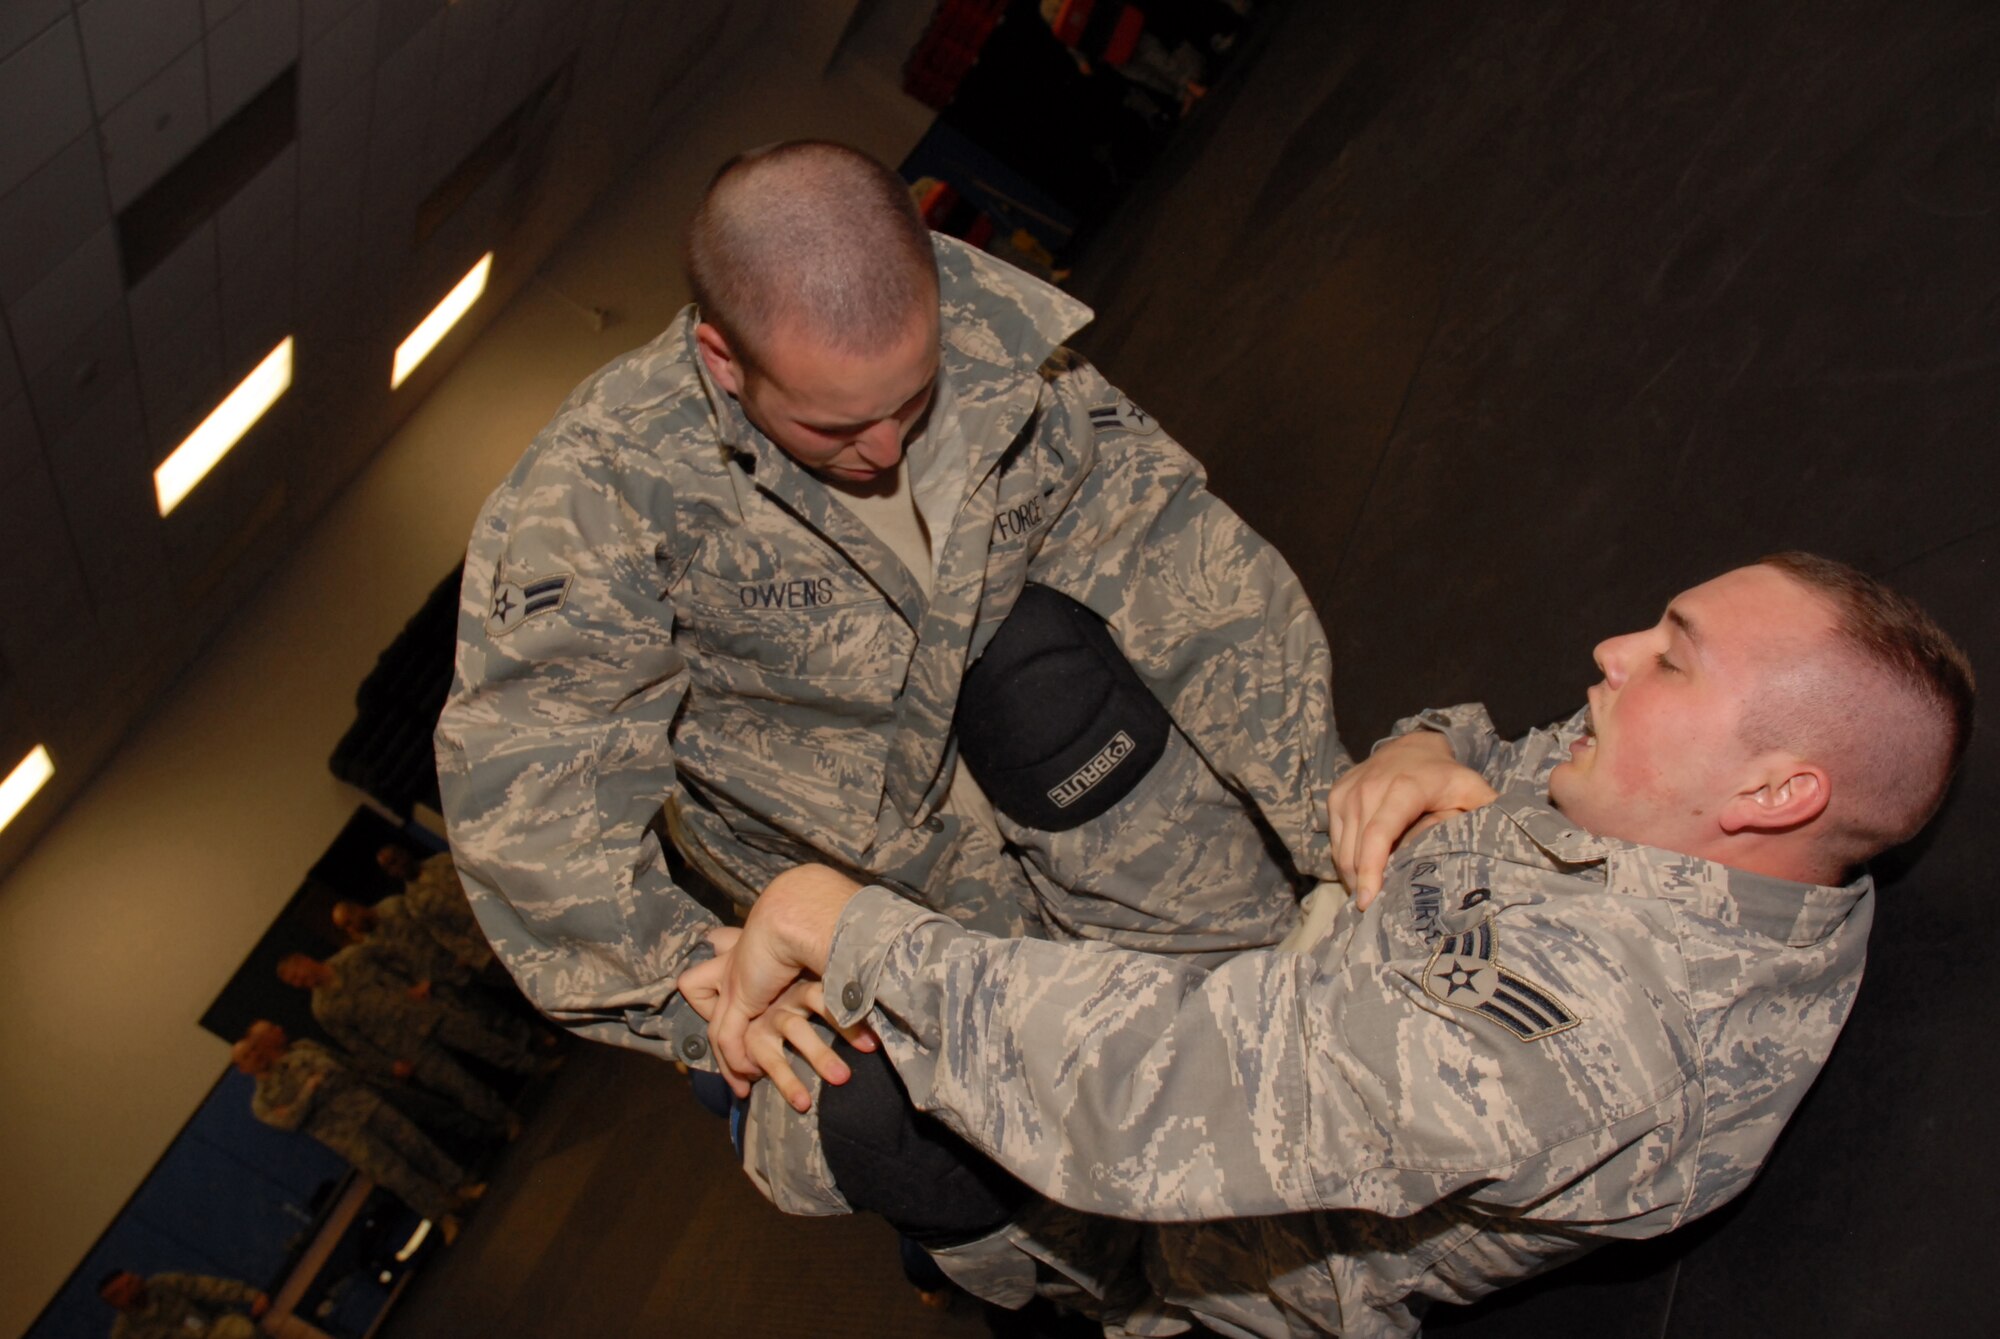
{"x": 945, "y": 210}
{"x": 939, "y": 198}
{"x": 1072, "y": 27}
{"x": 949, "y": 48}
{"x": 1124, "y": 38}
{"x": 1071, "y": 20}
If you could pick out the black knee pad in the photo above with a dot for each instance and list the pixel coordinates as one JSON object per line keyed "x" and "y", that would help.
{"x": 1054, "y": 722}
{"x": 891, "y": 1159}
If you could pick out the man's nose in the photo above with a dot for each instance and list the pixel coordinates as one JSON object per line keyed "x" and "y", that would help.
{"x": 1613, "y": 656}
{"x": 881, "y": 444}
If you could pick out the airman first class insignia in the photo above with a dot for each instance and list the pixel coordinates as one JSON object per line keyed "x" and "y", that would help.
{"x": 1123, "y": 417}
{"x": 1464, "y": 974}
{"x": 514, "y": 605}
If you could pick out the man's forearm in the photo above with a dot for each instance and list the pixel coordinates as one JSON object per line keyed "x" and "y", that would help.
{"x": 1116, "y": 1082}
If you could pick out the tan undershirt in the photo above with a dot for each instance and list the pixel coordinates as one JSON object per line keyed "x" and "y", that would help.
{"x": 1322, "y": 904}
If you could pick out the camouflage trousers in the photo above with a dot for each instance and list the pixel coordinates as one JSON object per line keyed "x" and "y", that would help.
{"x": 387, "y": 1148}
{"x": 486, "y": 1033}
{"x": 436, "y": 1114}
{"x": 434, "y": 1068}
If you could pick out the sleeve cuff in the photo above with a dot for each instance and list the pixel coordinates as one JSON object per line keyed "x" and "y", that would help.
{"x": 1467, "y": 728}
{"x": 873, "y": 922}
{"x": 685, "y": 1033}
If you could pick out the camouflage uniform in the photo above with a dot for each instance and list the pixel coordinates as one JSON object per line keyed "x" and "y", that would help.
{"x": 189, "y": 1306}
{"x": 408, "y": 940}
{"x": 367, "y": 1009}
{"x": 437, "y": 901}
{"x": 308, "y": 1089}
{"x": 1535, "y": 1040}
{"x": 469, "y": 1023}
{"x": 661, "y": 606}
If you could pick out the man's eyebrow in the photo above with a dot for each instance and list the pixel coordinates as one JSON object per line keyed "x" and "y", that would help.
{"x": 1685, "y": 624}
{"x": 835, "y": 428}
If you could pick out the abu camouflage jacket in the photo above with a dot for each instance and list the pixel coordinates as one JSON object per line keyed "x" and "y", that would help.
{"x": 1533, "y": 1041}
{"x": 660, "y": 606}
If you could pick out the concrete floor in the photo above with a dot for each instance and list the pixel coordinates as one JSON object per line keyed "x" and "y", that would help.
{"x": 1505, "y": 323}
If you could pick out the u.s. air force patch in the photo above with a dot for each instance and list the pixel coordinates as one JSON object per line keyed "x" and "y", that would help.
{"x": 1123, "y": 417}
{"x": 1464, "y": 974}
{"x": 514, "y": 605}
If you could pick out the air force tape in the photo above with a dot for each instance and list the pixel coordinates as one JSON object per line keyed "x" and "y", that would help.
{"x": 514, "y": 605}
{"x": 1464, "y": 974}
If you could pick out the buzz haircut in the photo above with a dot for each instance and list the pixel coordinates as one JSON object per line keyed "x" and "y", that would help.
{"x": 1891, "y": 714}
{"x": 813, "y": 235}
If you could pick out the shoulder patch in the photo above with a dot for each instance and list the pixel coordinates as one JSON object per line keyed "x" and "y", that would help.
{"x": 1124, "y": 416}
{"x": 1464, "y": 973}
{"x": 514, "y": 605}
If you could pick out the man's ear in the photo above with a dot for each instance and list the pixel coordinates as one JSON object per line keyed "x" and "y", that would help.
{"x": 1784, "y": 794}
{"x": 723, "y": 364}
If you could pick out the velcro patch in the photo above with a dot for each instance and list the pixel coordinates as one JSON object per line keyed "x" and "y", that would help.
{"x": 1123, "y": 417}
{"x": 1464, "y": 973}
{"x": 514, "y": 605}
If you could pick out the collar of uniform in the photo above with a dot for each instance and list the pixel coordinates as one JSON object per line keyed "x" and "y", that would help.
{"x": 1795, "y": 914}
{"x": 996, "y": 315}
{"x": 736, "y": 433}
{"x": 998, "y": 326}
{"x": 1547, "y": 828}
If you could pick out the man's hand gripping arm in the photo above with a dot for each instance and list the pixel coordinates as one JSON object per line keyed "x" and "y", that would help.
{"x": 1408, "y": 784}
{"x": 761, "y": 991}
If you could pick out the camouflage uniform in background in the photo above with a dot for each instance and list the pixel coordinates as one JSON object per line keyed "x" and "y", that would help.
{"x": 661, "y": 606}
{"x": 467, "y": 1023}
{"x": 189, "y": 1306}
{"x": 308, "y": 1089}
{"x": 367, "y": 1009}
{"x": 1535, "y": 1040}
{"x": 436, "y": 899}
{"x": 417, "y": 952}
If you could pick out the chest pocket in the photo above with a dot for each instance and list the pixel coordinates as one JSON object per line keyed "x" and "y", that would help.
{"x": 751, "y": 613}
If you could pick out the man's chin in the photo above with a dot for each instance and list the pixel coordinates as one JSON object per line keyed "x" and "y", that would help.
{"x": 867, "y": 483}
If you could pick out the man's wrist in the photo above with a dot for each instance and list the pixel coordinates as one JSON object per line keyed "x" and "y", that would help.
{"x": 1420, "y": 740}
{"x": 809, "y": 906}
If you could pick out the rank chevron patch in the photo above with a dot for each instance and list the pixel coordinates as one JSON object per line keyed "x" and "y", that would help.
{"x": 1464, "y": 974}
{"x": 514, "y": 605}
{"x": 1124, "y": 416}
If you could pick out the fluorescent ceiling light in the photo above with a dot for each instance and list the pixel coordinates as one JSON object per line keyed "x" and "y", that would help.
{"x": 442, "y": 318}
{"x": 195, "y": 457}
{"x": 22, "y": 783}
